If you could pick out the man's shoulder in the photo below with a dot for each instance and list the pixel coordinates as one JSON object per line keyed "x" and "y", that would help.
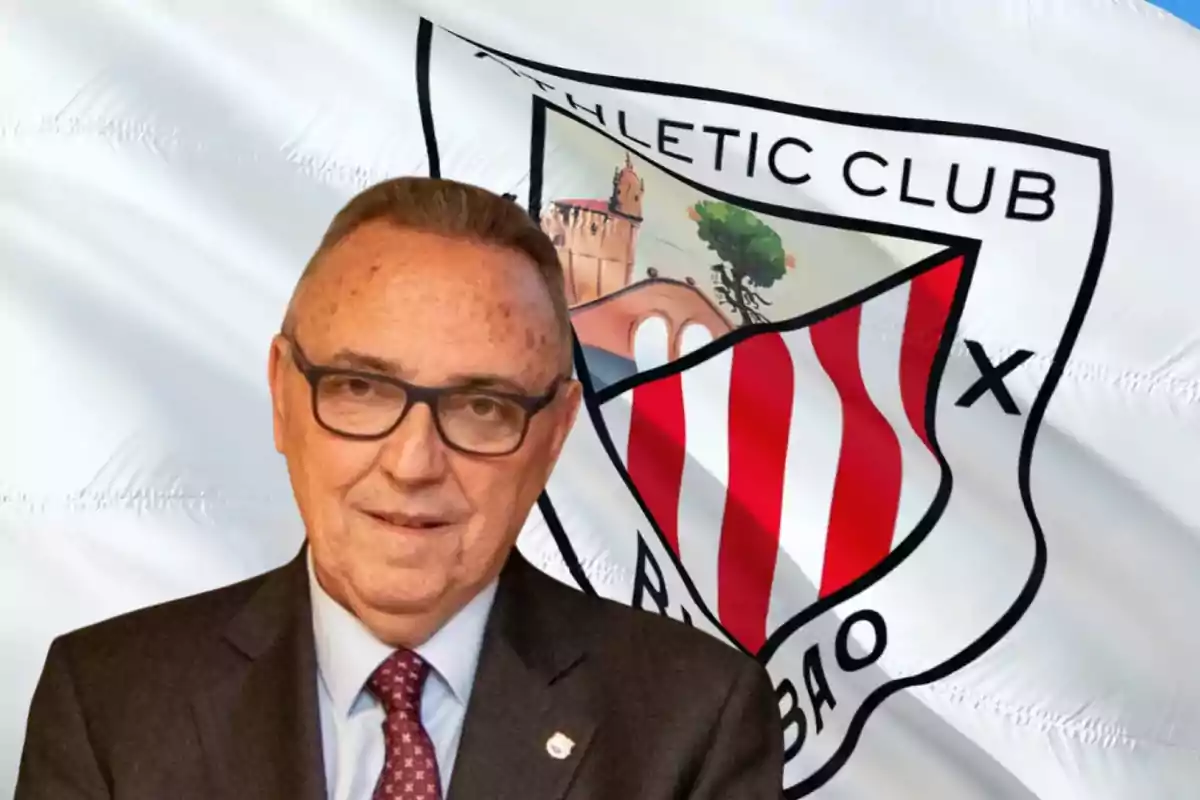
{"x": 165, "y": 633}
{"x": 669, "y": 647}
{"x": 648, "y": 641}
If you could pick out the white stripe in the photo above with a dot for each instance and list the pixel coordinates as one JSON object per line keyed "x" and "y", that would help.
{"x": 879, "y": 347}
{"x": 650, "y": 349}
{"x": 618, "y": 414}
{"x": 651, "y": 343}
{"x": 814, "y": 446}
{"x": 706, "y": 468}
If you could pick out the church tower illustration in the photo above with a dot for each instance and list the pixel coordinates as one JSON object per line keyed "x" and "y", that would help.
{"x": 597, "y": 239}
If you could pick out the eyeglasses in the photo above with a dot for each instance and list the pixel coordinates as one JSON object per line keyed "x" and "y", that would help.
{"x": 365, "y": 406}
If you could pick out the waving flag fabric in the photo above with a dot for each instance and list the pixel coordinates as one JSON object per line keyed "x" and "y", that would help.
{"x": 885, "y": 316}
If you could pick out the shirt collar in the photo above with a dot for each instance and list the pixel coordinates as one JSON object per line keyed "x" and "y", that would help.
{"x": 347, "y": 652}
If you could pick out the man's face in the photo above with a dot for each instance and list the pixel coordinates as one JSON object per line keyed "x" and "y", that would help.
{"x": 406, "y": 527}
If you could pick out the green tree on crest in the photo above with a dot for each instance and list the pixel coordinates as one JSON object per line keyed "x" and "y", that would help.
{"x": 751, "y": 254}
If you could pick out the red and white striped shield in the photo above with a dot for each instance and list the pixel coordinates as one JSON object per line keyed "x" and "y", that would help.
{"x": 785, "y": 462}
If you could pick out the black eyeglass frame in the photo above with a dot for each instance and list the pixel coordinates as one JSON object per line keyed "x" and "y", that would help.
{"x": 414, "y": 394}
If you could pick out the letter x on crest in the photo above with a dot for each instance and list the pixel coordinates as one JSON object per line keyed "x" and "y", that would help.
{"x": 991, "y": 378}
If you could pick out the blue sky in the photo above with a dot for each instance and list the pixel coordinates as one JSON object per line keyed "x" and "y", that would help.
{"x": 1184, "y": 9}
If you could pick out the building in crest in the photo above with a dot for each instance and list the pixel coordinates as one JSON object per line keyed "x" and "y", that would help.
{"x": 597, "y": 239}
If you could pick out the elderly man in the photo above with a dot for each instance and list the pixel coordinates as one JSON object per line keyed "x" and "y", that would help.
{"x": 422, "y": 391}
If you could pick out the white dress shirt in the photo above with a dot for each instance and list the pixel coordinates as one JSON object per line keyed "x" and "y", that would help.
{"x": 352, "y": 719}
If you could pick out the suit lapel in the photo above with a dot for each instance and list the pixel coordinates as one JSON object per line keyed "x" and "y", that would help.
{"x": 531, "y": 716}
{"x": 259, "y": 722}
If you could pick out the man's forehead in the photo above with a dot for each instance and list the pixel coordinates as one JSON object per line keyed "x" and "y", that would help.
{"x": 378, "y": 255}
{"x": 432, "y": 359}
{"x": 409, "y": 304}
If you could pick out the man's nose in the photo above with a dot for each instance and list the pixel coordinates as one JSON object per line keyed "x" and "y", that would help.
{"x": 414, "y": 452}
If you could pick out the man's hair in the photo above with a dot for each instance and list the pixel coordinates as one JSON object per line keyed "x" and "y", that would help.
{"x": 458, "y": 211}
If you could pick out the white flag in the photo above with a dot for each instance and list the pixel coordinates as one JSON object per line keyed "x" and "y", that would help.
{"x": 885, "y": 315}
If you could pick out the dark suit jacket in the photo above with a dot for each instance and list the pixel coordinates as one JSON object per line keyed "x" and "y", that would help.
{"x": 214, "y": 696}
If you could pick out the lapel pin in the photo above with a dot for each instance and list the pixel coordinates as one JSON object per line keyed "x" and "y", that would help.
{"x": 559, "y": 746}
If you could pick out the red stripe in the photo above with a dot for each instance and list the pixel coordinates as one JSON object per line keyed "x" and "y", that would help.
{"x": 656, "y": 454}
{"x": 760, "y": 416}
{"x": 866, "y": 491}
{"x": 929, "y": 300}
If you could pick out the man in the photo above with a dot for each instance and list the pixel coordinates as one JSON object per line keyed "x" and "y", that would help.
{"x": 421, "y": 389}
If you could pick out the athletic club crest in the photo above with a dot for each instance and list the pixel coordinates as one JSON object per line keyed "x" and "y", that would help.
{"x": 811, "y": 406}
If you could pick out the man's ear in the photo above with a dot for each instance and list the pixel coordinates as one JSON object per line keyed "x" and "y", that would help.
{"x": 570, "y": 397}
{"x": 277, "y": 367}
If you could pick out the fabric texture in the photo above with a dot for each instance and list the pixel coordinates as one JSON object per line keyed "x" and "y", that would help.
{"x": 167, "y": 168}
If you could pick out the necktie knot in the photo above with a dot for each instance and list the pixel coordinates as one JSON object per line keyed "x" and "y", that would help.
{"x": 398, "y": 681}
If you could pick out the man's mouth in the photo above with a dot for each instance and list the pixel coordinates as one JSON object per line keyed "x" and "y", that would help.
{"x": 397, "y": 519}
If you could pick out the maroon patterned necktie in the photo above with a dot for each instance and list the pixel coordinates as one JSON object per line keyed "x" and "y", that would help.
{"x": 410, "y": 764}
